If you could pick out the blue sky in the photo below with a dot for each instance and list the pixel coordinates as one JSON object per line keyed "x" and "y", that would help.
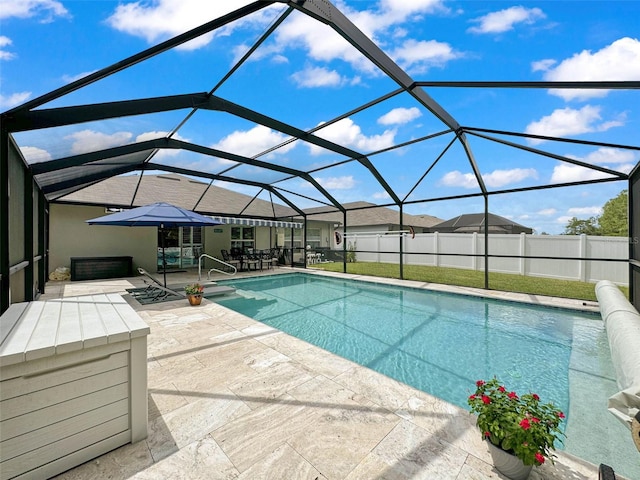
{"x": 305, "y": 75}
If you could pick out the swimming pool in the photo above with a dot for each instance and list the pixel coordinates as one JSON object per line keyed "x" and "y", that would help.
{"x": 442, "y": 343}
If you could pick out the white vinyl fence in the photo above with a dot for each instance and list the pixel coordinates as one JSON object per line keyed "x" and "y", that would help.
{"x": 430, "y": 249}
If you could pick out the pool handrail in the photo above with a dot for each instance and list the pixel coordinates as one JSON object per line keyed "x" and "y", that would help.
{"x": 235, "y": 270}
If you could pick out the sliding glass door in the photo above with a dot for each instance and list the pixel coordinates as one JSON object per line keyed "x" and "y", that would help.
{"x": 182, "y": 247}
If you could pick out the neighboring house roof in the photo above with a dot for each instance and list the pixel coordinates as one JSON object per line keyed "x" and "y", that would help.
{"x": 368, "y": 214}
{"x": 134, "y": 190}
{"x": 474, "y": 222}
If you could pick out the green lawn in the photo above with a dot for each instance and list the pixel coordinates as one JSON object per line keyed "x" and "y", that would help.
{"x": 470, "y": 278}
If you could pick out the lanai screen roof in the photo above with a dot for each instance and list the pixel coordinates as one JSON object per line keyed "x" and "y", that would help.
{"x": 183, "y": 126}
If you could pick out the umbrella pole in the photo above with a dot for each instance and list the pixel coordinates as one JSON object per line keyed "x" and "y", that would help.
{"x": 164, "y": 261}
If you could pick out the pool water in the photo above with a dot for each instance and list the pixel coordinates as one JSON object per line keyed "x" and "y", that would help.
{"x": 442, "y": 343}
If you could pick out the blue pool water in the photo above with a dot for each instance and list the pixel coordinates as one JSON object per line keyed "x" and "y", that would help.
{"x": 442, "y": 343}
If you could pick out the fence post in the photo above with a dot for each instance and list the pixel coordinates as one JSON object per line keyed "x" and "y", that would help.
{"x": 436, "y": 258}
{"x": 378, "y": 247}
{"x": 474, "y": 251}
{"x": 523, "y": 253}
{"x": 583, "y": 253}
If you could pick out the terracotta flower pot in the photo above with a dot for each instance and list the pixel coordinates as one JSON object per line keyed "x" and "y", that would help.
{"x": 194, "y": 299}
{"x": 508, "y": 464}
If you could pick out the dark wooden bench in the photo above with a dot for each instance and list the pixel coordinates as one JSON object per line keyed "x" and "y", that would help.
{"x": 93, "y": 268}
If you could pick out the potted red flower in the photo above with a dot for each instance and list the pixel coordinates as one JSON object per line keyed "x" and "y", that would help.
{"x": 519, "y": 425}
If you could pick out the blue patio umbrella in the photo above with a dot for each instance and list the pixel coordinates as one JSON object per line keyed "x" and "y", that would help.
{"x": 161, "y": 215}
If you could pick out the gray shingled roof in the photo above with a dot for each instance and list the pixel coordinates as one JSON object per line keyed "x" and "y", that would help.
{"x": 474, "y": 222}
{"x": 136, "y": 190}
{"x": 365, "y": 213}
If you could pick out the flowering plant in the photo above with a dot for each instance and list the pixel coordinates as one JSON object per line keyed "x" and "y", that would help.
{"x": 520, "y": 425}
{"x": 194, "y": 289}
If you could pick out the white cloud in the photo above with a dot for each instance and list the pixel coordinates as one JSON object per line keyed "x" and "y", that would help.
{"x": 337, "y": 183}
{"x": 543, "y": 65}
{"x": 547, "y": 211}
{"x": 563, "y": 220}
{"x": 318, "y": 77}
{"x": 165, "y": 152}
{"x": 459, "y": 179}
{"x": 504, "y": 20}
{"x": 497, "y": 178}
{"x": 613, "y": 158}
{"x": 608, "y": 156}
{"x": 420, "y": 56}
{"x": 5, "y": 55}
{"x": 31, "y": 8}
{"x": 324, "y": 45}
{"x": 73, "y": 78}
{"x": 575, "y": 211}
{"x": 90, "y": 140}
{"x": 619, "y": 61}
{"x": 381, "y": 195}
{"x": 574, "y": 173}
{"x": 320, "y": 41}
{"x": 35, "y": 154}
{"x": 500, "y": 178}
{"x": 166, "y": 18}
{"x": 348, "y": 134}
{"x": 568, "y": 121}
{"x": 143, "y": 137}
{"x": 400, "y": 9}
{"x": 399, "y": 116}
{"x": 13, "y": 99}
{"x": 251, "y": 142}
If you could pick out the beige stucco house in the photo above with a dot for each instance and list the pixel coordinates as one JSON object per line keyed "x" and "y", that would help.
{"x": 248, "y": 223}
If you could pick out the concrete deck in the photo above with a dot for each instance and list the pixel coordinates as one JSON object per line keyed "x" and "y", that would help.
{"x": 231, "y": 398}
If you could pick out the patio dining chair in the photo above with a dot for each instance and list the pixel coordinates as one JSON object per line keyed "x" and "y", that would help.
{"x": 250, "y": 258}
{"x": 237, "y": 263}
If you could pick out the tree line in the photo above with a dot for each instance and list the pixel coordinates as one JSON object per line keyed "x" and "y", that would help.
{"x": 613, "y": 222}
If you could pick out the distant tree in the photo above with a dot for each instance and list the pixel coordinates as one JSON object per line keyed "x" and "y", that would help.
{"x": 575, "y": 226}
{"x": 613, "y": 221}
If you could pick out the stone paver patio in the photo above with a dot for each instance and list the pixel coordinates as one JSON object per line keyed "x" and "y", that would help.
{"x": 231, "y": 398}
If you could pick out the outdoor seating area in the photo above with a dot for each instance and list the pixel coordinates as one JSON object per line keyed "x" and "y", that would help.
{"x": 230, "y": 397}
{"x": 251, "y": 259}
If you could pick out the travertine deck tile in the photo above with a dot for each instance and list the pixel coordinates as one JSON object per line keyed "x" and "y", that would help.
{"x": 410, "y": 452}
{"x": 193, "y": 421}
{"x": 283, "y": 463}
{"x": 200, "y": 460}
{"x": 247, "y": 439}
{"x": 231, "y": 398}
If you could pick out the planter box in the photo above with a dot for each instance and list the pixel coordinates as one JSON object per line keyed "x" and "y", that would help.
{"x": 73, "y": 383}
